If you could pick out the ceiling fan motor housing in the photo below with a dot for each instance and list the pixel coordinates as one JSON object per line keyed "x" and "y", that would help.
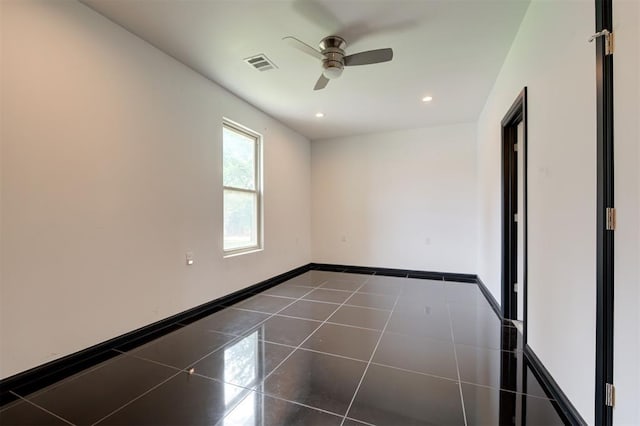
{"x": 333, "y": 51}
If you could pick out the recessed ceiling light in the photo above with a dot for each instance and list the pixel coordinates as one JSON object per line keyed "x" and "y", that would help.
{"x": 319, "y": 114}
{"x": 427, "y": 99}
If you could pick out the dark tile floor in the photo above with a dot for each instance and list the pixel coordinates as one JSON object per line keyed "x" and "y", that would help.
{"x": 324, "y": 348}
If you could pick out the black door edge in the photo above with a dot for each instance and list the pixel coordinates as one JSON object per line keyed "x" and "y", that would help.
{"x": 605, "y": 238}
{"x": 516, "y": 114}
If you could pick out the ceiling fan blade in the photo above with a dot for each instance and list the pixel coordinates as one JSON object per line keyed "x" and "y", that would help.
{"x": 321, "y": 83}
{"x": 304, "y": 47}
{"x": 369, "y": 57}
{"x": 319, "y": 13}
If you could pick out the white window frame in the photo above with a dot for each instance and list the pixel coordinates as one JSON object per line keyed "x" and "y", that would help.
{"x": 245, "y": 131}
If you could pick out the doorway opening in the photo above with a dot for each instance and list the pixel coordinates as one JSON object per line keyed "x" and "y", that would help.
{"x": 514, "y": 213}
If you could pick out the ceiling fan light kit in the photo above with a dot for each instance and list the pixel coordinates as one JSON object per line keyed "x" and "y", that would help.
{"x": 333, "y": 57}
{"x": 333, "y": 51}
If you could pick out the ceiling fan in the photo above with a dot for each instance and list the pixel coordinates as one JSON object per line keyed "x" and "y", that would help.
{"x": 333, "y": 57}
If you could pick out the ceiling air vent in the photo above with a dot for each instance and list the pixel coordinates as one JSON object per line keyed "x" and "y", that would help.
{"x": 261, "y": 63}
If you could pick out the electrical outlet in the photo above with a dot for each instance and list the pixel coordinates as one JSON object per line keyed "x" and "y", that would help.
{"x": 189, "y": 258}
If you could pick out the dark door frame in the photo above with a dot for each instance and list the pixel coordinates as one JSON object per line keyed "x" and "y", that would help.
{"x": 509, "y": 127}
{"x": 604, "y": 240}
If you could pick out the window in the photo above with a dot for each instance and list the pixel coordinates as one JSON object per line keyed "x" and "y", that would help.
{"x": 242, "y": 197}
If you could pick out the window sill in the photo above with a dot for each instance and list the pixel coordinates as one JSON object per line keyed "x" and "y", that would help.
{"x": 242, "y": 252}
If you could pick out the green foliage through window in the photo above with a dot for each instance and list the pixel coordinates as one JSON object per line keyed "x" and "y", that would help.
{"x": 241, "y": 189}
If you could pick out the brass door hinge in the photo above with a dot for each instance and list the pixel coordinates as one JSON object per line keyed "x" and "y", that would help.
{"x": 610, "y": 397}
{"x": 608, "y": 40}
{"x": 611, "y": 218}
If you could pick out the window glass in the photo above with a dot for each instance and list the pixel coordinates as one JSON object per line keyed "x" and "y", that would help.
{"x": 242, "y": 196}
{"x": 240, "y": 227}
{"x": 239, "y": 160}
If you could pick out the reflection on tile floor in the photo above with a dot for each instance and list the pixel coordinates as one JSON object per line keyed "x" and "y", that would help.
{"x": 324, "y": 348}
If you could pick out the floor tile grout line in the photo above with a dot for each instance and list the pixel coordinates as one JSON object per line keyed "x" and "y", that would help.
{"x": 306, "y": 300}
{"x": 355, "y": 359}
{"x": 455, "y": 354}
{"x": 374, "y": 363}
{"x": 297, "y": 318}
{"x": 264, "y": 379}
{"x": 355, "y": 291}
{"x": 42, "y": 408}
{"x": 489, "y": 348}
{"x": 311, "y": 334}
{"x": 339, "y": 289}
{"x": 267, "y": 295}
{"x": 307, "y": 338}
{"x": 353, "y": 326}
{"x": 269, "y": 316}
{"x": 354, "y": 306}
{"x": 236, "y": 404}
{"x": 335, "y": 303}
{"x": 234, "y": 339}
{"x": 369, "y": 307}
{"x": 466, "y": 382}
{"x": 316, "y": 320}
{"x": 422, "y": 373}
{"x": 151, "y": 342}
{"x": 264, "y": 394}
{"x": 422, "y": 337}
{"x": 330, "y": 354}
{"x": 240, "y": 336}
{"x": 517, "y": 351}
{"x": 332, "y": 303}
{"x": 68, "y": 379}
{"x": 173, "y": 367}
{"x": 137, "y": 398}
{"x": 185, "y": 370}
{"x": 353, "y": 398}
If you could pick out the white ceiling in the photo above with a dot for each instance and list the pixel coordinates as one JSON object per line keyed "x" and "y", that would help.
{"x": 450, "y": 49}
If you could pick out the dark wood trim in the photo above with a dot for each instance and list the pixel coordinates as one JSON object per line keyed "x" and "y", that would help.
{"x": 605, "y": 198}
{"x": 391, "y": 272}
{"x": 561, "y": 403}
{"x": 516, "y": 114}
{"x": 509, "y": 366}
{"x": 525, "y": 204}
{"x": 565, "y": 408}
{"x": 43, "y": 375}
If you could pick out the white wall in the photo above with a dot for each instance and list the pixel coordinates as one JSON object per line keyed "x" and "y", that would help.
{"x": 550, "y": 55}
{"x": 111, "y": 171}
{"x": 403, "y": 199}
{"x": 626, "y": 26}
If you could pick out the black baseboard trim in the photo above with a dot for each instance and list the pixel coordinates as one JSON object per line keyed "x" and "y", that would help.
{"x": 46, "y": 374}
{"x": 492, "y": 300}
{"x": 391, "y": 272}
{"x": 563, "y": 405}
